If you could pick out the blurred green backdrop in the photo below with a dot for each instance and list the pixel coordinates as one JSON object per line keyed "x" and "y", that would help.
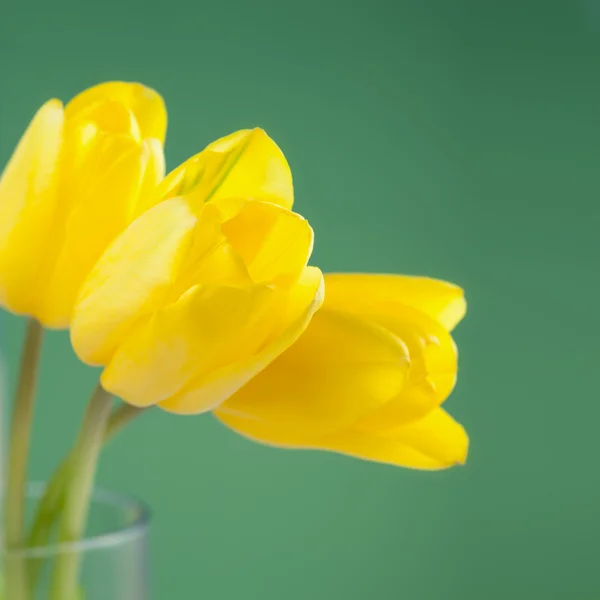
{"x": 458, "y": 139}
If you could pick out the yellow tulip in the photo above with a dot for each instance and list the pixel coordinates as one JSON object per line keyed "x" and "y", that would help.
{"x": 72, "y": 184}
{"x": 206, "y": 287}
{"x": 367, "y": 377}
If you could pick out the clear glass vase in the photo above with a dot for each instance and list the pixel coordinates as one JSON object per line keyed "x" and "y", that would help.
{"x": 111, "y": 558}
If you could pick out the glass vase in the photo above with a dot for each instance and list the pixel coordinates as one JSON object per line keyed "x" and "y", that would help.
{"x": 111, "y": 558}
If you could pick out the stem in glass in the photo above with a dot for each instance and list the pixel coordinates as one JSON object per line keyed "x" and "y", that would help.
{"x": 81, "y": 472}
{"x": 18, "y": 454}
{"x": 52, "y": 502}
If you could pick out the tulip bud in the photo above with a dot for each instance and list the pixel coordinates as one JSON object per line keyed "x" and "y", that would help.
{"x": 366, "y": 378}
{"x": 73, "y": 184}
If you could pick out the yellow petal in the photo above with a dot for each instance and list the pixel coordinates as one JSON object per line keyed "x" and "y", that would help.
{"x": 211, "y": 389}
{"x": 28, "y": 201}
{"x": 145, "y": 103}
{"x": 109, "y": 116}
{"x": 366, "y": 293}
{"x": 131, "y": 279}
{"x": 435, "y": 442}
{"x": 255, "y": 167}
{"x": 434, "y": 364}
{"x": 245, "y": 164}
{"x": 340, "y": 369}
{"x": 274, "y": 243}
{"x": 97, "y": 201}
{"x": 208, "y": 328}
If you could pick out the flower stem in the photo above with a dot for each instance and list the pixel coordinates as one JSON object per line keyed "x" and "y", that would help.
{"x": 18, "y": 454}
{"x": 81, "y": 472}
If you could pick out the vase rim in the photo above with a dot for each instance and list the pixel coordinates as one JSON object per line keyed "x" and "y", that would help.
{"x": 109, "y": 539}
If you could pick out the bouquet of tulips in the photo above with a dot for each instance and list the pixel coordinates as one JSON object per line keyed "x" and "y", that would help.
{"x": 193, "y": 292}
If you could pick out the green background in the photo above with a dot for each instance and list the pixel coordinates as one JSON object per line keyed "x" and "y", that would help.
{"x": 458, "y": 139}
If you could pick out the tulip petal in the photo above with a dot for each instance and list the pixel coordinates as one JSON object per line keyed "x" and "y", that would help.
{"x": 434, "y": 364}
{"x": 131, "y": 279}
{"x": 28, "y": 203}
{"x": 245, "y": 164}
{"x": 274, "y": 243}
{"x": 109, "y": 116}
{"x": 145, "y": 103}
{"x": 210, "y": 390}
{"x": 340, "y": 369}
{"x": 373, "y": 293}
{"x": 435, "y": 442}
{"x": 255, "y": 167}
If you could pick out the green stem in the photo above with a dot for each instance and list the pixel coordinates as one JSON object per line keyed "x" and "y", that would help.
{"x": 18, "y": 454}
{"x": 50, "y": 506}
{"x": 81, "y": 471}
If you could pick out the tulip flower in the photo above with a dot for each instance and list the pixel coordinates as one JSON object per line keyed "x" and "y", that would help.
{"x": 205, "y": 287}
{"x": 73, "y": 184}
{"x": 367, "y": 378}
